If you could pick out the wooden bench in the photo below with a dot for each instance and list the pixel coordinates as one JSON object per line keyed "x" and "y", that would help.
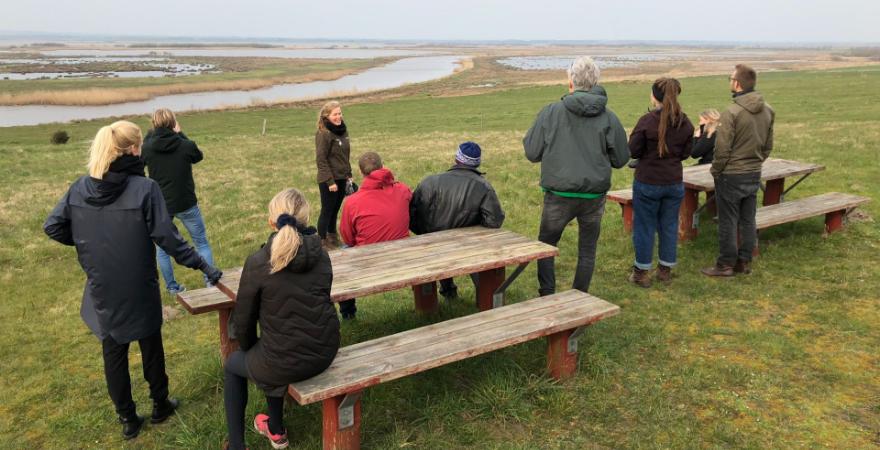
{"x": 560, "y": 317}
{"x": 834, "y": 205}
{"x": 625, "y": 198}
{"x": 417, "y": 262}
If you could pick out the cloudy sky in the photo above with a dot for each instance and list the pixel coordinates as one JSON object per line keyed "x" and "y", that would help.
{"x": 735, "y": 20}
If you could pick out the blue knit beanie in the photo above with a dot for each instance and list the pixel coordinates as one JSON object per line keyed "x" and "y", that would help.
{"x": 468, "y": 154}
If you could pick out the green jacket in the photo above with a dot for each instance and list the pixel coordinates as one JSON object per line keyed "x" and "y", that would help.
{"x": 577, "y": 140}
{"x": 744, "y": 135}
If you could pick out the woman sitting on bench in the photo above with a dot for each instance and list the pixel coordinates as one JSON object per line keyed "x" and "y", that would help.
{"x": 285, "y": 287}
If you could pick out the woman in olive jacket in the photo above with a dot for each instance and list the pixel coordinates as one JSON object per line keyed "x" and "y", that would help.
{"x": 285, "y": 288}
{"x": 332, "y": 156}
{"x": 114, "y": 216}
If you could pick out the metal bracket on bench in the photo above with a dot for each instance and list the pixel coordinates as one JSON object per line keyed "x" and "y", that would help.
{"x": 498, "y": 295}
{"x": 346, "y": 410}
{"x": 573, "y": 339}
{"x": 782, "y": 197}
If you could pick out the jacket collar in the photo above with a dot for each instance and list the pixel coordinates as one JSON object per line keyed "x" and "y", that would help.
{"x": 378, "y": 179}
{"x": 464, "y": 167}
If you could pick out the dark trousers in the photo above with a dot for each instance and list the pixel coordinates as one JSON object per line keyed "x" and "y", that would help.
{"x": 235, "y": 398}
{"x": 448, "y": 287}
{"x": 348, "y": 307}
{"x": 655, "y": 212}
{"x": 558, "y": 212}
{"x": 737, "y": 200}
{"x": 119, "y": 380}
{"x": 330, "y": 204}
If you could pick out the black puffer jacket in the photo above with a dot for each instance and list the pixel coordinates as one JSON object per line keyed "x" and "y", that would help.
{"x": 459, "y": 197}
{"x": 169, "y": 157}
{"x": 113, "y": 223}
{"x": 299, "y": 330}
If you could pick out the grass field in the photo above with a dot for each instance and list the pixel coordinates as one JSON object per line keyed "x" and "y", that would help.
{"x": 784, "y": 358}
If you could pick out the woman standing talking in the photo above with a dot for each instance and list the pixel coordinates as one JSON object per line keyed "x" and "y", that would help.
{"x": 332, "y": 152}
{"x": 113, "y": 216}
{"x": 661, "y": 140}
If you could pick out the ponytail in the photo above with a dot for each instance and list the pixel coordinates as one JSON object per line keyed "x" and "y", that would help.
{"x": 670, "y": 111}
{"x": 111, "y": 142}
{"x": 287, "y": 209}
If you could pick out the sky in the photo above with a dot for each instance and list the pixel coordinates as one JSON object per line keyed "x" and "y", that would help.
{"x": 806, "y": 21}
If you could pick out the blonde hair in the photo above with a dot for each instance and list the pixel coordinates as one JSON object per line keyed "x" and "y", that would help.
{"x": 111, "y": 142}
{"x": 164, "y": 118}
{"x": 712, "y": 116}
{"x": 287, "y": 241}
{"x": 325, "y": 112}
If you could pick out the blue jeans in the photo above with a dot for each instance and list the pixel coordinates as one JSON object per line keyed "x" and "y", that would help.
{"x": 655, "y": 211}
{"x": 192, "y": 220}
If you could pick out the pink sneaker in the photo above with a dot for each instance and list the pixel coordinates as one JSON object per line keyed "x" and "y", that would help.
{"x": 261, "y": 424}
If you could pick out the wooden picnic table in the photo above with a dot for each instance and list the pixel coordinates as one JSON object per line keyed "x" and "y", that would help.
{"x": 417, "y": 261}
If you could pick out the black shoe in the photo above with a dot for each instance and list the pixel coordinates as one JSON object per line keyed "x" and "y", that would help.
{"x": 131, "y": 426}
{"x": 450, "y": 295}
{"x": 164, "y": 409}
{"x": 348, "y": 316}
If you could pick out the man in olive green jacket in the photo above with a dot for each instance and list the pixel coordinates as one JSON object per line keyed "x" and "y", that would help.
{"x": 577, "y": 140}
{"x": 744, "y": 140}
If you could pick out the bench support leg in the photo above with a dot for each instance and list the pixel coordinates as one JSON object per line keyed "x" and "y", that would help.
{"x": 488, "y": 282}
{"x": 627, "y": 217}
{"x": 426, "y": 298}
{"x": 773, "y": 191}
{"x": 227, "y": 346}
{"x": 342, "y": 422}
{"x": 687, "y": 229}
{"x": 834, "y": 221}
{"x": 562, "y": 353}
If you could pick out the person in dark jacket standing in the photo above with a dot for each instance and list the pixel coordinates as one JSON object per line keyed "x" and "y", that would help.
{"x": 378, "y": 212}
{"x": 113, "y": 217}
{"x": 459, "y": 197}
{"x": 332, "y": 153}
{"x": 745, "y": 140}
{"x": 660, "y": 141}
{"x": 285, "y": 288}
{"x": 577, "y": 140}
{"x": 704, "y": 138}
{"x": 170, "y": 155}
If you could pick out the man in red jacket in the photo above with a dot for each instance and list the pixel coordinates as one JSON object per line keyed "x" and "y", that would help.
{"x": 378, "y": 212}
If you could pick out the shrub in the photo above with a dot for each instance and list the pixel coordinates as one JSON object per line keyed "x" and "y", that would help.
{"x": 60, "y": 137}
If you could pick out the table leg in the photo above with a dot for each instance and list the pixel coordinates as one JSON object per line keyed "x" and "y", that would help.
{"x": 773, "y": 191}
{"x": 342, "y": 422}
{"x": 686, "y": 228}
{"x": 488, "y": 281}
{"x": 227, "y": 346}
{"x": 627, "y": 216}
{"x": 562, "y": 357}
{"x": 426, "y": 298}
{"x": 834, "y": 221}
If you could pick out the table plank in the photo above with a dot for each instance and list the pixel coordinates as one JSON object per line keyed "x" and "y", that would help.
{"x": 699, "y": 178}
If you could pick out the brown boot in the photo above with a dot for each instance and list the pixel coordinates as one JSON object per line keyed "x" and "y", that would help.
{"x": 640, "y": 277}
{"x": 327, "y": 244}
{"x": 718, "y": 270}
{"x": 334, "y": 239}
{"x": 664, "y": 273}
{"x": 742, "y": 266}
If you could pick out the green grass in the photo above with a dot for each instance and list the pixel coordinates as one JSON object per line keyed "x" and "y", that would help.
{"x": 784, "y": 358}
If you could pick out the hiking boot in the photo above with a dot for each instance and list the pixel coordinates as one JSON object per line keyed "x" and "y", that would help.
{"x": 664, "y": 273}
{"x": 450, "y": 295}
{"x": 131, "y": 426}
{"x": 640, "y": 277}
{"x": 743, "y": 267}
{"x": 261, "y": 424}
{"x": 334, "y": 239}
{"x": 164, "y": 409}
{"x": 718, "y": 270}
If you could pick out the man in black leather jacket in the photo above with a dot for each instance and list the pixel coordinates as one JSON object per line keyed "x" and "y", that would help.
{"x": 459, "y": 197}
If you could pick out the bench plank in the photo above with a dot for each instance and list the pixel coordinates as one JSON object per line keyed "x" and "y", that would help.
{"x": 795, "y": 210}
{"x": 622, "y": 196}
{"x": 393, "y": 357}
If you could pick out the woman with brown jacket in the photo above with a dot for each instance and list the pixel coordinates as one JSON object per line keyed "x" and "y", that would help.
{"x": 332, "y": 152}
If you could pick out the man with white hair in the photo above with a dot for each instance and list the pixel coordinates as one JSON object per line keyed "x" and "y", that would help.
{"x": 577, "y": 140}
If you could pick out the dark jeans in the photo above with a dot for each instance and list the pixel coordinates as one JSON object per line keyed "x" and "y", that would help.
{"x": 330, "y": 204}
{"x": 448, "y": 287}
{"x": 235, "y": 397}
{"x": 655, "y": 211}
{"x": 737, "y": 200}
{"x": 558, "y": 212}
{"x": 119, "y": 380}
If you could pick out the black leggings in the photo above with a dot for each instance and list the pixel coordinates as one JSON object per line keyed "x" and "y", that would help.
{"x": 119, "y": 380}
{"x": 235, "y": 398}
{"x": 330, "y": 204}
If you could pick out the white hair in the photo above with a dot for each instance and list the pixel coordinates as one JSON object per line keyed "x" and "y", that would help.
{"x": 583, "y": 73}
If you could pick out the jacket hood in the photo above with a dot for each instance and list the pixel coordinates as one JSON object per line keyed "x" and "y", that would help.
{"x": 586, "y": 103}
{"x": 378, "y": 179}
{"x": 163, "y": 140}
{"x": 308, "y": 255}
{"x": 106, "y": 190}
{"x": 752, "y": 102}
